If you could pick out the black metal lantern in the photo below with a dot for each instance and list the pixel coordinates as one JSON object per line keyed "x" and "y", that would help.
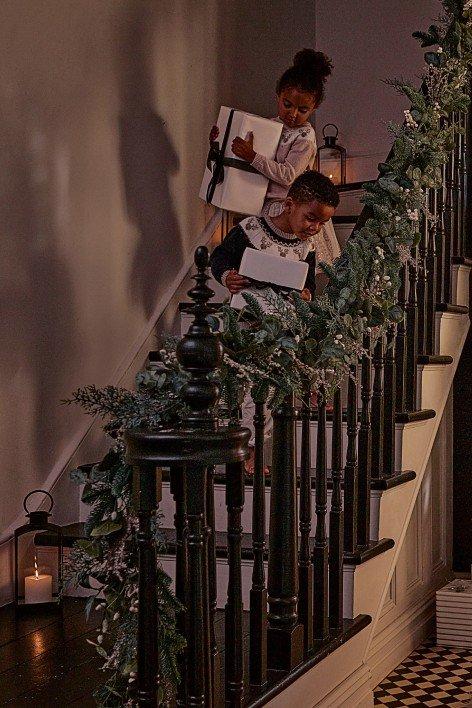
{"x": 37, "y": 585}
{"x": 331, "y": 157}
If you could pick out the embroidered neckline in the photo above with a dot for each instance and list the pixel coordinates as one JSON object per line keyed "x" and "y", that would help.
{"x": 277, "y": 234}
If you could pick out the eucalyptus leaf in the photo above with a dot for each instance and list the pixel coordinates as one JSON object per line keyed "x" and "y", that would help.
{"x": 106, "y": 528}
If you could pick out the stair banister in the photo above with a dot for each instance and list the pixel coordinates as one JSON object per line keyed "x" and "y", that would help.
{"x": 195, "y": 446}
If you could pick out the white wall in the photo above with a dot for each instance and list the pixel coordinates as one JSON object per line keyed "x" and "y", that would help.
{"x": 368, "y": 41}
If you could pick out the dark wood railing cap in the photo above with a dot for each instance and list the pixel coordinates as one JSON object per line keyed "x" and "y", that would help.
{"x": 207, "y": 447}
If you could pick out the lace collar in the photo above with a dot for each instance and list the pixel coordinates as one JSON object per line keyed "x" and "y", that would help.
{"x": 277, "y": 234}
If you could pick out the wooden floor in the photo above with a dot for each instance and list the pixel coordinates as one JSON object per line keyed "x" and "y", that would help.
{"x": 45, "y": 660}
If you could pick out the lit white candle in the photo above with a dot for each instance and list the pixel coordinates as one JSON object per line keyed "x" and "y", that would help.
{"x": 38, "y": 588}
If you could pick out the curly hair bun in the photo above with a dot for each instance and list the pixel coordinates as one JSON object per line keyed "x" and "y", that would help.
{"x": 311, "y": 61}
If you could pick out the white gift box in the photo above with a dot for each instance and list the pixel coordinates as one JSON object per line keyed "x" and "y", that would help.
{"x": 454, "y": 614}
{"x": 272, "y": 269}
{"x": 241, "y": 191}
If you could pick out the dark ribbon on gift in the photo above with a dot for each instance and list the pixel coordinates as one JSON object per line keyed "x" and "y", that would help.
{"x": 280, "y": 289}
{"x": 216, "y": 161}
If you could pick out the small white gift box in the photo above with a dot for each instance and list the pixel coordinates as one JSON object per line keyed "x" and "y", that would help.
{"x": 454, "y": 614}
{"x": 227, "y": 183}
{"x": 271, "y": 269}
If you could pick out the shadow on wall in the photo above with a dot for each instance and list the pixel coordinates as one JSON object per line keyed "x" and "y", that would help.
{"x": 44, "y": 348}
{"x": 148, "y": 160}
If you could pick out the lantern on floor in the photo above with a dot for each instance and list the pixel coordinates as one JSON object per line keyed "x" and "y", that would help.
{"x": 37, "y": 584}
{"x": 331, "y": 157}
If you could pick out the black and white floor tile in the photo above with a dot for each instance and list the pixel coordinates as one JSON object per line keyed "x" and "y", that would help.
{"x": 431, "y": 676}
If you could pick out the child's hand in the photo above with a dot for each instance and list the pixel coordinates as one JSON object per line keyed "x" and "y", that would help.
{"x": 214, "y": 132}
{"x": 244, "y": 149}
{"x": 235, "y": 282}
{"x": 305, "y": 295}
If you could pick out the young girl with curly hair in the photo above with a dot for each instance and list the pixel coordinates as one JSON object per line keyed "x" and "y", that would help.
{"x": 300, "y": 90}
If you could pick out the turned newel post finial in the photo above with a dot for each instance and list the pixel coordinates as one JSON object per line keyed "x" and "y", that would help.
{"x": 200, "y": 351}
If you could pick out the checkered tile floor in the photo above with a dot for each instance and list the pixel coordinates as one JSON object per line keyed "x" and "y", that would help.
{"x": 430, "y": 676}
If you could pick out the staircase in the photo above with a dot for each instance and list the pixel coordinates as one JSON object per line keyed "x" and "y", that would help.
{"x": 302, "y": 587}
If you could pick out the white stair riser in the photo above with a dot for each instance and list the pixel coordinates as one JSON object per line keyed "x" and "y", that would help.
{"x": 222, "y": 573}
{"x": 167, "y": 509}
{"x": 460, "y": 284}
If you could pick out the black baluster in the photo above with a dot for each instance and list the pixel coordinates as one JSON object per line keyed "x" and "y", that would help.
{"x": 285, "y": 634}
{"x": 440, "y": 238}
{"x": 465, "y": 190}
{"x": 258, "y": 594}
{"x": 401, "y": 343}
{"x": 422, "y": 286}
{"x": 234, "y": 607}
{"x": 431, "y": 275}
{"x": 212, "y": 584}
{"x": 320, "y": 546}
{"x": 448, "y": 227}
{"x": 365, "y": 448}
{"x": 148, "y": 655}
{"x": 351, "y": 482}
{"x": 412, "y": 337}
{"x": 462, "y": 181}
{"x": 336, "y": 520}
{"x": 177, "y": 488}
{"x": 466, "y": 212}
{"x": 305, "y": 568}
{"x": 456, "y": 177}
{"x": 378, "y": 410}
{"x": 198, "y": 640}
{"x": 390, "y": 388}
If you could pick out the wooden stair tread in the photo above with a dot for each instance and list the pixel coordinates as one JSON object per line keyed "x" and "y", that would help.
{"x": 436, "y": 359}
{"x": 362, "y": 555}
{"x": 453, "y": 309}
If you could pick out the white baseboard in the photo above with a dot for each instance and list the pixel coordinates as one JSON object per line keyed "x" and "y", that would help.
{"x": 405, "y": 633}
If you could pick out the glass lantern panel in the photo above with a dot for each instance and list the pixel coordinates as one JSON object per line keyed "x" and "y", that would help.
{"x": 37, "y": 571}
{"x": 330, "y": 164}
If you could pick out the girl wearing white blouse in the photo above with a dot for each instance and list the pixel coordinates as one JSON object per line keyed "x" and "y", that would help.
{"x": 300, "y": 90}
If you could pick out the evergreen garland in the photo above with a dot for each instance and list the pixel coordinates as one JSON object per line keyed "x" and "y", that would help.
{"x": 273, "y": 353}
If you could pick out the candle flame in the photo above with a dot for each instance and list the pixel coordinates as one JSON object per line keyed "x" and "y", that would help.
{"x": 36, "y": 567}
{"x": 331, "y": 176}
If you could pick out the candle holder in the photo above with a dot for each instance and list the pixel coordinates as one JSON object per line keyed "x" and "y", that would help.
{"x": 331, "y": 157}
{"x": 37, "y": 588}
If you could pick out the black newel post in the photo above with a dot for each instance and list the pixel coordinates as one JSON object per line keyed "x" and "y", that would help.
{"x": 190, "y": 450}
{"x": 285, "y": 634}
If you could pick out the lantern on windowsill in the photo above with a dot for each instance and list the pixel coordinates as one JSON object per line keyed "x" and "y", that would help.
{"x": 37, "y": 586}
{"x": 331, "y": 157}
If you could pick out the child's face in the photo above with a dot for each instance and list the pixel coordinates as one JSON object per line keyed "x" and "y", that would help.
{"x": 294, "y": 106}
{"x": 307, "y": 219}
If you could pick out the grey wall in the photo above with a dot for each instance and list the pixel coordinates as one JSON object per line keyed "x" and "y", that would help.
{"x": 105, "y": 111}
{"x": 368, "y": 42}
